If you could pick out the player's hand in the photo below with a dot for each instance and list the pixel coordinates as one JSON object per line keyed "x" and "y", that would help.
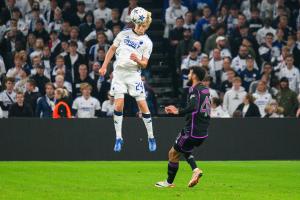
{"x": 102, "y": 71}
{"x": 133, "y": 57}
{"x": 171, "y": 110}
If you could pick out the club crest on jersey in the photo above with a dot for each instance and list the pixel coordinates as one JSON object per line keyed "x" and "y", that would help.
{"x": 131, "y": 43}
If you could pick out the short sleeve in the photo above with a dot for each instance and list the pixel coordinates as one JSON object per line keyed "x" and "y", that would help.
{"x": 148, "y": 50}
{"x": 118, "y": 39}
{"x": 75, "y": 104}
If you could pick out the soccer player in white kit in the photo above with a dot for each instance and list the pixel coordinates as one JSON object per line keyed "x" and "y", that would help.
{"x": 132, "y": 48}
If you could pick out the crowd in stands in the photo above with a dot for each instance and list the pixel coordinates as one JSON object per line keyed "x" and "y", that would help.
{"x": 50, "y": 55}
{"x": 51, "y": 51}
{"x": 250, "y": 48}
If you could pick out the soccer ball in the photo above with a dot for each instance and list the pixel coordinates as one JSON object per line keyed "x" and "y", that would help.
{"x": 138, "y": 15}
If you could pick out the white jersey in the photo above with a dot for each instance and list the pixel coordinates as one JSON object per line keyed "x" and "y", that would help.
{"x": 108, "y": 108}
{"x": 293, "y": 76}
{"x": 102, "y": 14}
{"x": 262, "y": 100}
{"x": 86, "y": 107}
{"x": 239, "y": 64}
{"x": 219, "y": 112}
{"x": 233, "y": 98}
{"x": 7, "y": 99}
{"x": 128, "y": 42}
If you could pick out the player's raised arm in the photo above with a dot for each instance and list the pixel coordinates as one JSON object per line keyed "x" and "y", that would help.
{"x": 141, "y": 62}
{"x": 110, "y": 53}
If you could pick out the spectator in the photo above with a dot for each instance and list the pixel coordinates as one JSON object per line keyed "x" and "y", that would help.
{"x": 216, "y": 66}
{"x": 102, "y": 44}
{"x": 267, "y": 51}
{"x": 86, "y": 106}
{"x": 226, "y": 67}
{"x": 191, "y": 60}
{"x": 14, "y": 72}
{"x": 102, "y": 12}
{"x": 108, "y": 106}
{"x": 20, "y": 108}
{"x": 261, "y": 33}
{"x": 115, "y": 20}
{"x": 175, "y": 11}
{"x": 83, "y": 78}
{"x": 31, "y": 95}
{"x": 99, "y": 27}
{"x": 176, "y": 34}
{"x": 287, "y": 98}
{"x": 291, "y": 73}
{"x": 207, "y": 83}
{"x": 20, "y": 85}
{"x": 273, "y": 110}
{"x": 216, "y": 109}
{"x": 74, "y": 36}
{"x": 125, "y": 17}
{"x": 239, "y": 62}
{"x": 40, "y": 79}
{"x": 40, "y": 31}
{"x": 210, "y": 43}
{"x": 202, "y": 24}
{"x": 61, "y": 83}
{"x": 65, "y": 31}
{"x": 150, "y": 97}
{"x": 45, "y": 104}
{"x": 262, "y": 97}
{"x": 210, "y": 29}
{"x": 184, "y": 46}
{"x": 46, "y": 61}
{"x": 56, "y": 23}
{"x": 1, "y": 113}
{"x": 80, "y": 14}
{"x": 255, "y": 23}
{"x": 248, "y": 108}
{"x": 60, "y": 65}
{"x": 8, "y": 96}
{"x": 87, "y": 26}
{"x": 234, "y": 97}
{"x": 227, "y": 84}
{"x": 232, "y": 19}
{"x": 249, "y": 74}
{"x": 221, "y": 43}
{"x": 188, "y": 21}
{"x": 73, "y": 60}
{"x": 61, "y": 108}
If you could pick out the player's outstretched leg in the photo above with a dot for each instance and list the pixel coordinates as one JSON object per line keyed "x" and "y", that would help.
{"x": 118, "y": 120}
{"x": 197, "y": 173}
{"x": 148, "y": 124}
{"x": 173, "y": 166}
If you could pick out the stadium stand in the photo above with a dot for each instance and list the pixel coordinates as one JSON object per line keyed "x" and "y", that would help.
{"x": 250, "y": 49}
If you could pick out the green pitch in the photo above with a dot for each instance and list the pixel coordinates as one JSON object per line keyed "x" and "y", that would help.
{"x": 135, "y": 180}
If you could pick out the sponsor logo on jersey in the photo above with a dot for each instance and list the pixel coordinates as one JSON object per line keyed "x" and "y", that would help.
{"x": 131, "y": 43}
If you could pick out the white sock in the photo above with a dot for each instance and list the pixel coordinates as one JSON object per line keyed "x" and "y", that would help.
{"x": 148, "y": 123}
{"x": 118, "y": 119}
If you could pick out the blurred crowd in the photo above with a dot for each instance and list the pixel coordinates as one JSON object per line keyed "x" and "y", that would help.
{"x": 50, "y": 55}
{"x": 250, "y": 48}
{"x": 51, "y": 51}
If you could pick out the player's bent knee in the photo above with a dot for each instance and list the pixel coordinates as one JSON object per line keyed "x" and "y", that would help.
{"x": 143, "y": 106}
{"x": 174, "y": 155}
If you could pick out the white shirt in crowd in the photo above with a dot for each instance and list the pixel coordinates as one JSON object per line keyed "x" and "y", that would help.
{"x": 186, "y": 64}
{"x": 262, "y": 100}
{"x": 103, "y": 14}
{"x": 125, "y": 17}
{"x": 86, "y": 108}
{"x": 213, "y": 93}
{"x": 172, "y": 13}
{"x": 1, "y": 113}
{"x": 67, "y": 85}
{"x": 214, "y": 66}
{"x": 218, "y": 112}
{"x": 2, "y": 67}
{"x": 261, "y": 34}
{"x": 239, "y": 64}
{"x": 233, "y": 98}
{"x": 7, "y": 99}
{"x": 90, "y": 5}
{"x": 292, "y": 75}
{"x": 108, "y": 108}
{"x": 93, "y": 35}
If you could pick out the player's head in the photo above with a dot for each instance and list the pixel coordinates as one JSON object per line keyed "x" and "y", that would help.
{"x": 196, "y": 74}
{"x": 141, "y": 19}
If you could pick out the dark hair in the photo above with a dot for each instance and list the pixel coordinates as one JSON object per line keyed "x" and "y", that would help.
{"x": 216, "y": 101}
{"x": 250, "y": 98}
{"x": 73, "y": 44}
{"x": 31, "y": 82}
{"x": 199, "y": 72}
{"x": 10, "y": 79}
{"x": 270, "y": 34}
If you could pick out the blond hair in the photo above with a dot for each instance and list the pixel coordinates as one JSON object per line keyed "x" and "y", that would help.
{"x": 62, "y": 92}
{"x": 85, "y": 86}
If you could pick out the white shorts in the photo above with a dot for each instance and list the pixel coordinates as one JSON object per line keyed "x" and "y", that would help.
{"x": 127, "y": 82}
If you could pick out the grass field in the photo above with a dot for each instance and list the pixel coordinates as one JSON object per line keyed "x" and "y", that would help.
{"x": 135, "y": 180}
